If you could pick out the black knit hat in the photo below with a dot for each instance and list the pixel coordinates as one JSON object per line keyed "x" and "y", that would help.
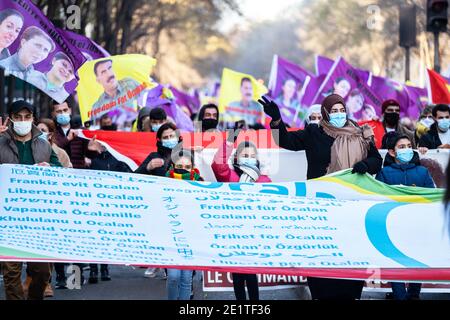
{"x": 19, "y": 105}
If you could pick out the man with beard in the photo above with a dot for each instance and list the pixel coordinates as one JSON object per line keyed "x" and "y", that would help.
{"x": 113, "y": 89}
{"x": 246, "y": 109}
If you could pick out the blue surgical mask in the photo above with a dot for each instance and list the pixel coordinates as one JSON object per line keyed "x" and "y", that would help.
{"x": 63, "y": 119}
{"x": 444, "y": 124}
{"x": 170, "y": 143}
{"x": 338, "y": 119}
{"x": 155, "y": 127}
{"x": 251, "y": 162}
{"x": 405, "y": 155}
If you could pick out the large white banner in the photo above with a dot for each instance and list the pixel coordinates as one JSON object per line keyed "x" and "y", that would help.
{"x": 283, "y": 165}
{"x": 52, "y": 214}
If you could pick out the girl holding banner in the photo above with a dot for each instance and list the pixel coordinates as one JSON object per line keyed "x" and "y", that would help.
{"x": 337, "y": 143}
{"x": 179, "y": 281}
{"x": 246, "y": 169}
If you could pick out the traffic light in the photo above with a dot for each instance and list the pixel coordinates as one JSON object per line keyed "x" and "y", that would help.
{"x": 407, "y": 26}
{"x": 437, "y": 18}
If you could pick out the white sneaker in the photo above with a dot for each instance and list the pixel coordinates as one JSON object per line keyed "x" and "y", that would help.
{"x": 150, "y": 272}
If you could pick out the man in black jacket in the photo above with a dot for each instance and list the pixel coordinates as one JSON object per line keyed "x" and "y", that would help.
{"x": 438, "y": 137}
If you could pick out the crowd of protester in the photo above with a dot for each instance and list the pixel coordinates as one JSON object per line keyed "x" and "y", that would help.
{"x": 332, "y": 140}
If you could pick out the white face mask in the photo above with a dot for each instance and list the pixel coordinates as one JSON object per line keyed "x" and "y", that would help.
{"x": 314, "y": 121}
{"x": 22, "y": 128}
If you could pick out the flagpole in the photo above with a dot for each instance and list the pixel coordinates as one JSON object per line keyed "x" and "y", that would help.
{"x": 302, "y": 93}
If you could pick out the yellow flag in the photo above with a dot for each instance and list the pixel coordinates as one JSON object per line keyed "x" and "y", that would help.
{"x": 112, "y": 86}
{"x": 239, "y": 93}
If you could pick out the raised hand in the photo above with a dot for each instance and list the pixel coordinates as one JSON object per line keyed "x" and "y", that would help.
{"x": 270, "y": 108}
{"x": 3, "y": 125}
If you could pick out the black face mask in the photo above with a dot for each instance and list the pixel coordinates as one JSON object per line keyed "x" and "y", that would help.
{"x": 208, "y": 124}
{"x": 112, "y": 127}
{"x": 392, "y": 118}
{"x": 180, "y": 171}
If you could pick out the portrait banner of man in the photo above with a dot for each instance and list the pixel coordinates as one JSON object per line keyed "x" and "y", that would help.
{"x": 238, "y": 97}
{"x": 112, "y": 85}
{"x": 34, "y": 50}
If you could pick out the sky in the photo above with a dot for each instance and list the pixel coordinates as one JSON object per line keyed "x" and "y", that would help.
{"x": 257, "y": 10}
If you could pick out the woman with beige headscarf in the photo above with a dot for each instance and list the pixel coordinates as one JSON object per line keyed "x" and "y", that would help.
{"x": 337, "y": 143}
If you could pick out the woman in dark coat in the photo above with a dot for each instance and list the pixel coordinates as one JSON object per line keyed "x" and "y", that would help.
{"x": 157, "y": 163}
{"x": 337, "y": 143}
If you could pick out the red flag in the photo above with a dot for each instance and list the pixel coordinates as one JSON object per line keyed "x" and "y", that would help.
{"x": 438, "y": 88}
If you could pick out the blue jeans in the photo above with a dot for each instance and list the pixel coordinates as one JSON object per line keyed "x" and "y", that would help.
{"x": 179, "y": 284}
{"x": 400, "y": 293}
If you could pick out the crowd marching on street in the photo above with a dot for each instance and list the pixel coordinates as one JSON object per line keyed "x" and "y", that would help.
{"x": 343, "y": 118}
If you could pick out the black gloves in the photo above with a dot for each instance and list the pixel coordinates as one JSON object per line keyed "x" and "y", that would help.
{"x": 360, "y": 167}
{"x": 270, "y": 108}
{"x": 233, "y": 135}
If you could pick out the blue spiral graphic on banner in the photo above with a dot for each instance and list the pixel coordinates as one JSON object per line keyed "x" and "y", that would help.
{"x": 376, "y": 229}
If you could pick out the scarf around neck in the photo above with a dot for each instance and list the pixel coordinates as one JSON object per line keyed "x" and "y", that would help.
{"x": 193, "y": 175}
{"x": 350, "y": 146}
{"x": 249, "y": 174}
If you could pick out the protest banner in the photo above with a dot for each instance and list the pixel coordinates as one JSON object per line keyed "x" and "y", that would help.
{"x": 89, "y": 49}
{"x": 346, "y": 81}
{"x": 287, "y": 86}
{"x": 185, "y": 100}
{"x": 57, "y": 215}
{"x": 411, "y": 99}
{"x": 132, "y": 148}
{"x": 238, "y": 98}
{"x": 112, "y": 86}
{"x": 216, "y": 281}
{"x": 324, "y": 64}
{"x": 37, "y": 52}
{"x": 163, "y": 97}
